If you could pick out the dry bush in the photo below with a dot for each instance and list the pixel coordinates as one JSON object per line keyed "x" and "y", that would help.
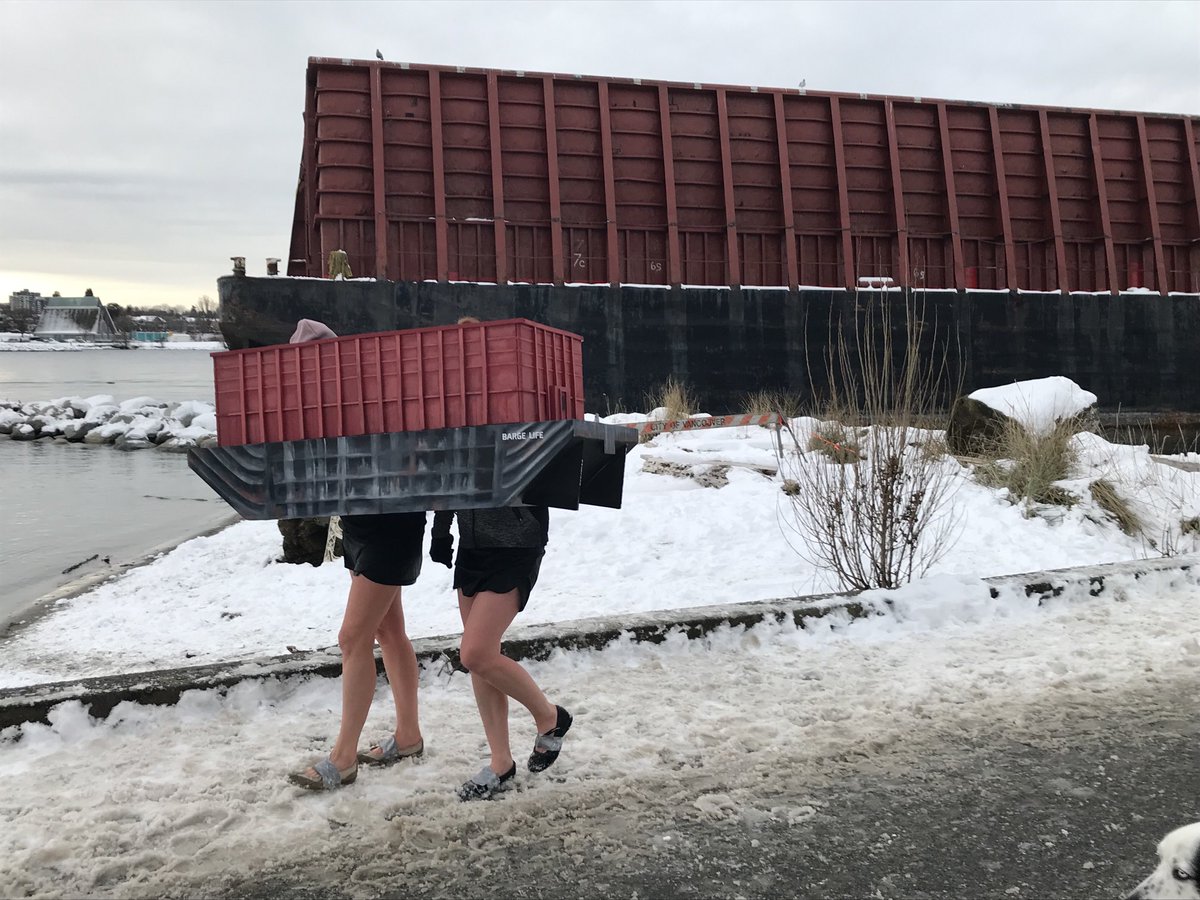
{"x": 1189, "y": 526}
{"x": 1104, "y": 492}
{"x": 764, "y": 403}
{"x": 885, "y": 516}
{"x": 675, "y": 397}
{"x": 1028, "y": 464}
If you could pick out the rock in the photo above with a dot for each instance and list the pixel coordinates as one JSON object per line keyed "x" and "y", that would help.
{"x": 975, "y": 429}
{"x": 100, "y": 436}
{"x": 47, "y": 426}
{"x": 131, "y": 442}
{"x": 304, "y": 540}
{"x": 177, "y": 444}
{"x": 76, "y": 431}
{"x": 24, "y": 432}
{"x": 10, "y": 419}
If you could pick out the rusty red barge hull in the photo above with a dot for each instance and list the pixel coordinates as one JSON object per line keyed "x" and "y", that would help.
{"x": 698, "y": 230}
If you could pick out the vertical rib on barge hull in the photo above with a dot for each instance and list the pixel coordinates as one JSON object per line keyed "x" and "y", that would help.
{"x": 1134, "y": 351}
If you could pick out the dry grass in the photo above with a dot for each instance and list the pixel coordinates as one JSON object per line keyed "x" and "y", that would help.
{"x": 1104, "y": 492}
{"x": 1161, "y": 441}
{"x": 611, "y": 407}
{"x": 833, "y": 440}
{"x": 676, "y": 398}
{"x": 764, "y": 403}
{"x": 933, "y": 448}
{"x": 1032, "y": 463}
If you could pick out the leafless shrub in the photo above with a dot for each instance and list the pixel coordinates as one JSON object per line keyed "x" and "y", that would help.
{"x": 883, "y": 516}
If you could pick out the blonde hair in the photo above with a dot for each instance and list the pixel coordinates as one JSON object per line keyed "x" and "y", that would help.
{"x": 468, "y": 320}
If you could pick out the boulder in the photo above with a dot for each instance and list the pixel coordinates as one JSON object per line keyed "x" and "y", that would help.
{"x": 47, "y": 426}
{"x": 100, "y": 435}
{"x": 175, "y": 444}
{"x": 10, "y": 419}
{"x": 131, "y": 442}
{"x": 304, "y": 540}
{"x": 975, "y": 429}
{"x": 77, "y": 430}
{"x": 24, "y": 432}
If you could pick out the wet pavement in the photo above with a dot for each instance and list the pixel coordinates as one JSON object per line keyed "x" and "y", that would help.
{"x": 1060, "y": 800}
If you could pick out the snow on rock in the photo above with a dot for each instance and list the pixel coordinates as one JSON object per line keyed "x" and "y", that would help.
{"x": 1037, "y": 404}
{"x": 134, "y": 424}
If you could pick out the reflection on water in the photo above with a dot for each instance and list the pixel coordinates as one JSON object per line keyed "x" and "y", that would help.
{"x": 64, "y": 503}
{"x": 168, "y": 375}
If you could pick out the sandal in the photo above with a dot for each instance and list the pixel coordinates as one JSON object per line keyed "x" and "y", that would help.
{"x": 548, "y": 744}
{"x": 386, "y": 752}
{"x": 486, "y": 784}
{"x": 329, "y": 777}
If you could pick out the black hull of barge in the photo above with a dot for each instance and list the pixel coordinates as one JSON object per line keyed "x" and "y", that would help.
{"x": 1135, "y": 351}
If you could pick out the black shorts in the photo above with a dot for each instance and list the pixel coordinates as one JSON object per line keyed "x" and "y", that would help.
{"x": 384, "y": 548}
{"x": 498, "y": 570}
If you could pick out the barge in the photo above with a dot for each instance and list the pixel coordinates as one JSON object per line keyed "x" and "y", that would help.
{"x": 715, "y": 234}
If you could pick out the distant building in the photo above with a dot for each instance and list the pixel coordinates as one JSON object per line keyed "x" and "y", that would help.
{"x": 27, "y": 301}
{"x": 75, "y": 319}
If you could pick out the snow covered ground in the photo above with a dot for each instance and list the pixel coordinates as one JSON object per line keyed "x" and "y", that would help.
{"x": 673, "y": 544}
{"x": 742, "y": 728}
{"x": 154, "y": 800}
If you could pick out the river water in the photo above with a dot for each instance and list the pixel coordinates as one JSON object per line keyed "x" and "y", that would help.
{"x": 65, "y": 507}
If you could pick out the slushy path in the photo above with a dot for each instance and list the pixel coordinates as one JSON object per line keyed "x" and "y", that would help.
{"x": 837, "y": 760}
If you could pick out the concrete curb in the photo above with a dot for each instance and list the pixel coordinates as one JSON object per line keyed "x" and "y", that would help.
{"x": 534, "y": 642}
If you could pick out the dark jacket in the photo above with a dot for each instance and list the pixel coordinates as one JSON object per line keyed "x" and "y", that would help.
{"x": 486, "y": 529}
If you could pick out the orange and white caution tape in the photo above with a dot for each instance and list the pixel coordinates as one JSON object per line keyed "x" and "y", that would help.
{"x": 702, "y": 423}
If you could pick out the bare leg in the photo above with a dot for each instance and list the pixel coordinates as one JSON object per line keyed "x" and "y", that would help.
{"x": 485, "y": 619}
{"x": 366, "y": 607}
{"x": 400, "y": 663}
{"x": 492, "y": 704}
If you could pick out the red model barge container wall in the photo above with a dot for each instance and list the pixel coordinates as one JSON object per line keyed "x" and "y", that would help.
{"x": 427, "y": 172}
{"x": 486, "y": 374}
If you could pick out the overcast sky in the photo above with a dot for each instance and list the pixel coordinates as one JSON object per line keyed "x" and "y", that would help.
{"x": 143, "y": 144}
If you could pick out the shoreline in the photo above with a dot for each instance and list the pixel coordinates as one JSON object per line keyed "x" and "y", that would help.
{"x": 43, "y": 606}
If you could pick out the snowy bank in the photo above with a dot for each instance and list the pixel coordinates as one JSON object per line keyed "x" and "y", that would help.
{"x": 674, "y": 544}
